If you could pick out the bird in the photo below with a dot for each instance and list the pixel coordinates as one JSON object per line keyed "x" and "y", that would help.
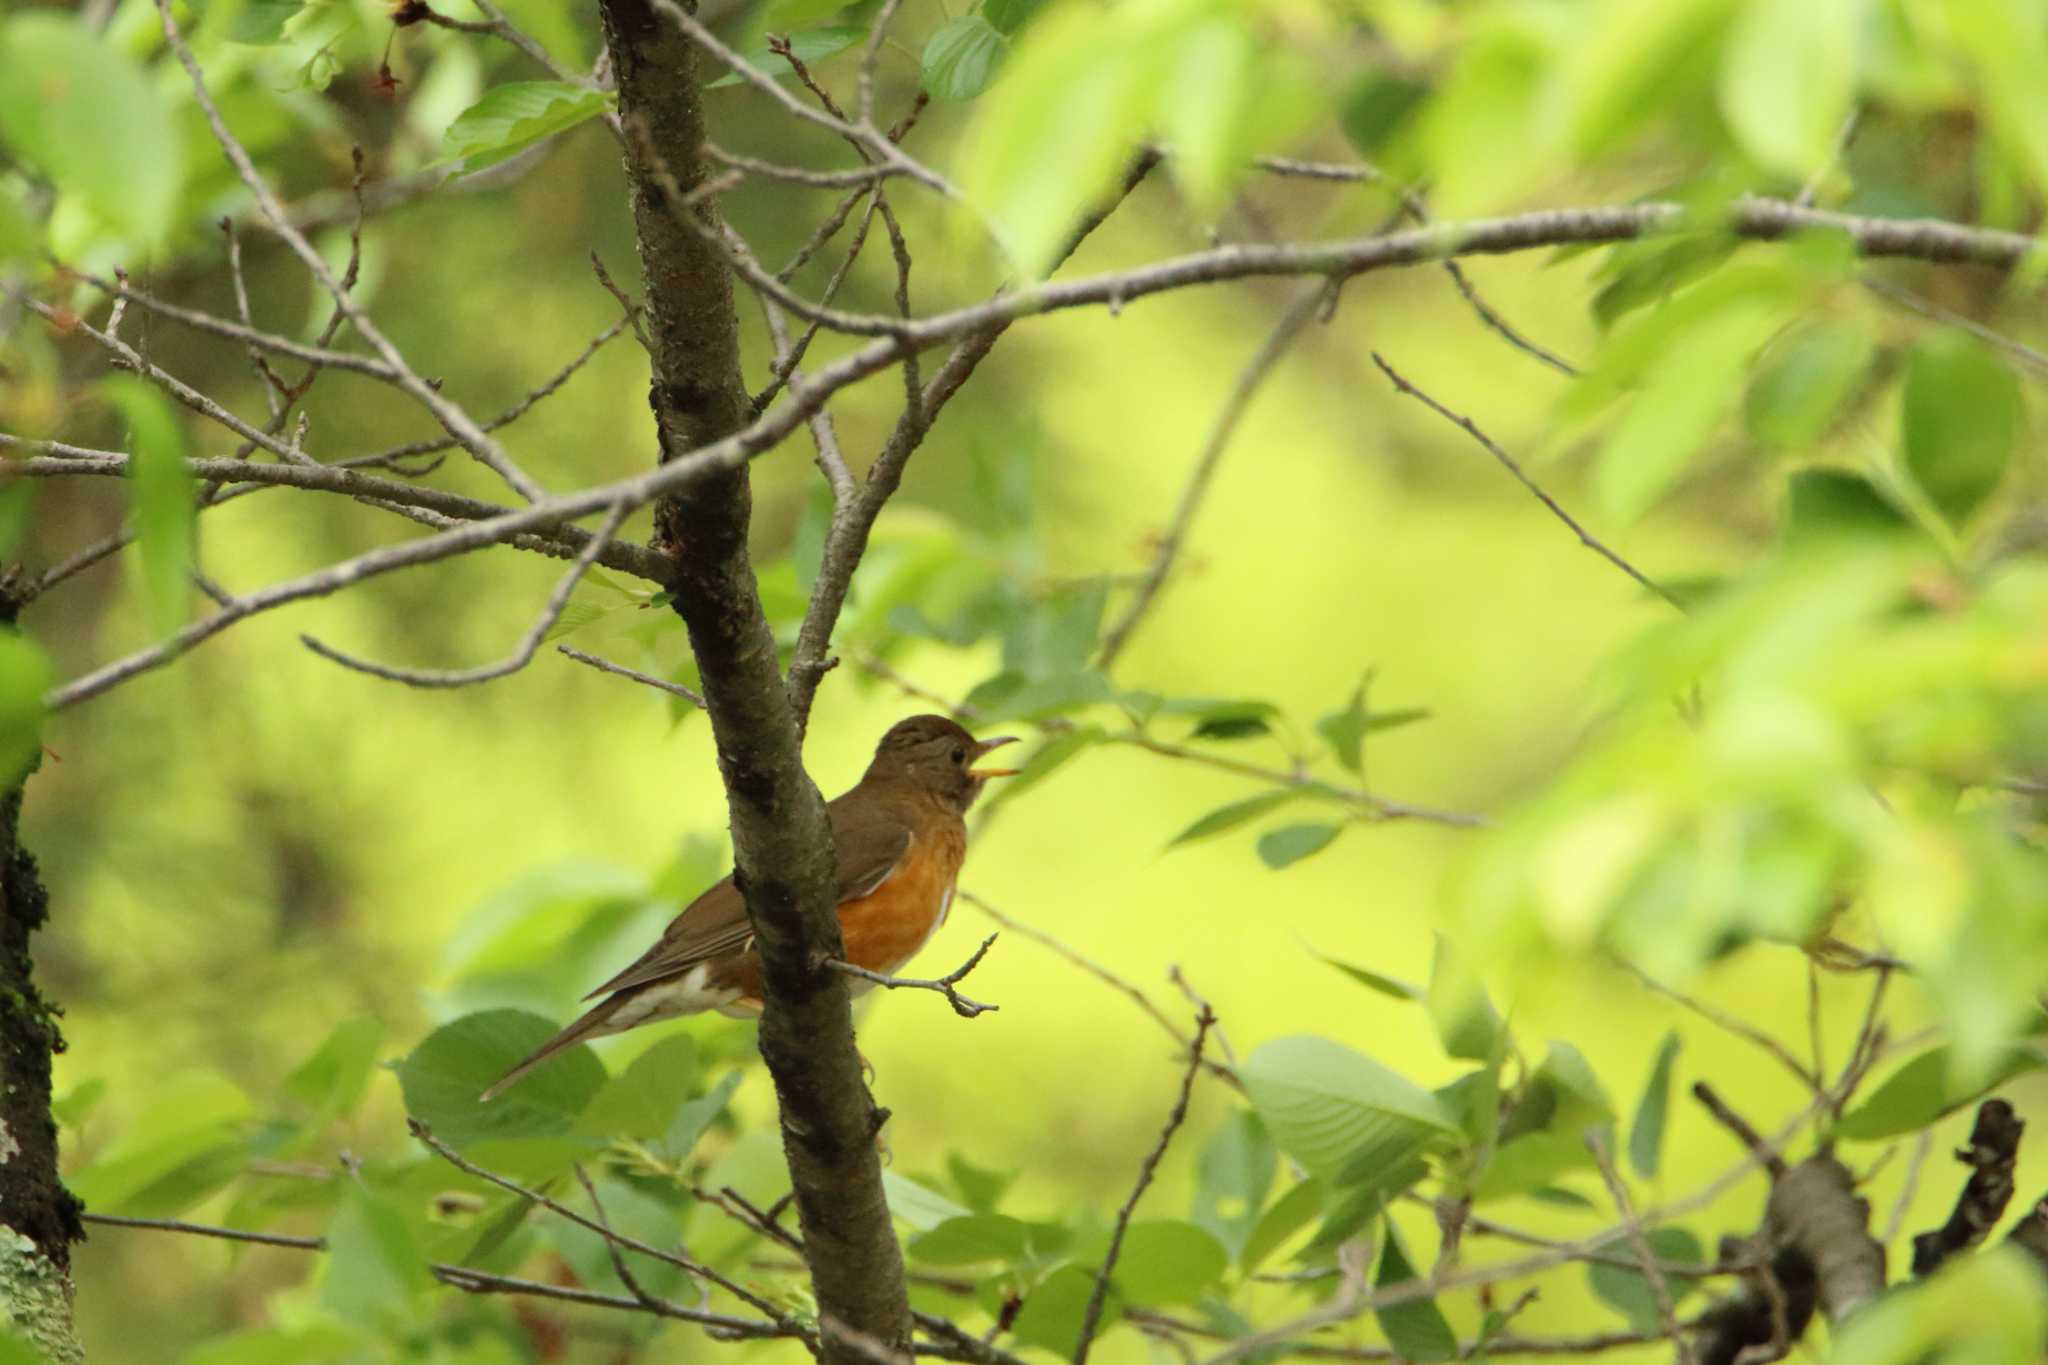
{"x": 899, "y": 836}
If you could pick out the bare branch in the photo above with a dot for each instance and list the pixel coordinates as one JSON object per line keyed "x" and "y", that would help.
{"x": 607, "y": 666}
{"x": 1646, "y": 1259}
{"x": 1304, "y": 307}
{"x": 1093, "y": 1314}
{"x": 1508, "y": 462}
{"x": 457, "y": 422}
{"x": 962, "y": 1006}
{"x": 521, "y": 655}
{"x": 1727, "y": 1022}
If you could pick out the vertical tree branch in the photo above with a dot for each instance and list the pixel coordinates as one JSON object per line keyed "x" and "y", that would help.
{"x": 39, "y": 1214}
{"x": 782, "y": 846}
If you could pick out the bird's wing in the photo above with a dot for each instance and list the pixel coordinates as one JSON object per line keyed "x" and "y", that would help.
{"x": 716, "y": 924}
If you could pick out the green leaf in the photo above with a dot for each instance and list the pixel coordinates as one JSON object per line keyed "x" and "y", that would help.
{"x": 1527, "y": 1164}
{"x": 25, "y": 675}
{"x": 1057, "y": 636}
{"x": 1960, "y": 419}
{"x": 961, "y": 58}
{"x": 1627, "y": 1290}
{"x": 1290, "y": 1213}
{"x": 374, "y": 1264}
{"x": 1466, "y": 1021}
{"x": 1327, "y": 1106}
{"x": 978, "y": 1238}
{"x": 1377, "y": 108}
{"x": 1231, "y": 816}
{"x": 1017, "y": 698}
{"x": 186, "y": 1145}
{"x": 1010, "y": 15}
{"x": 1162, "y": 1261}
{"x": 1291, "y": 843}
{"x": 1581, "y": 1101}
{"x": 809, "y": 47}
{"x": 1804, "y": 381}
{"x": 1208, "y": 94}
{"x": 1788, "y": 80}
{"x": 982, "y": 1189}
{"x": 1826, "y": 505}
{"x": 444, "y": 1075}
{"x": 1417, "y": 1329}
{"x": 162, "y": 493}
{"x": 693, "y": 1118}
{"x": 1049, "y": 140}
{"x": 922, "y": 1207}
{"x": 1344, "y": 731}
{"x": 1922, "y": 1091}
{"x": 643, "y": 1100}
{"x": 1052, "y": 1313}
{"x": 1232, "y": 1179}
{"x": 1646, "y": 1134}
{"x": 262, "y": 23}
{"x": 331, "y": 1082}
{"x": 1392, "y": 987}
{"x": 79, "y": 109}
{"x": 781, "y": 16}
{"x": 512, "y": 117}
{"x": 1234, "y": 720}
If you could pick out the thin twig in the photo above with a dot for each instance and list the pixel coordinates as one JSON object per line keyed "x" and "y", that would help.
{"x": 1509, "y": 463}
{"x": 1765, "y": 1154}
{"x": 1727, "y": 1022}
{"x": 1196, "y": 488}
{"x": 521, "y": 655}
{"x": 1096, "y": 1296}
{"x": 607, "y": 666}
{"x": 962, "y": 1006}
{"x": 1660, "y": 1291}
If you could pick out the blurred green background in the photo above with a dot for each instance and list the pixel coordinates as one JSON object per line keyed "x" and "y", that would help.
{"x": 254, "y": 846}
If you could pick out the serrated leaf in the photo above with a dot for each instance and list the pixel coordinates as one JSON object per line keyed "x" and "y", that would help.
{"x": 1010, "y": 15}
{"x": 76, "y": 106}
{"x": 514, "y": 116}
{"x": 1804, "y": 381}
{"x": 1290, "y": 1213}
{"x": 1646, "y": 1133}
{"x": 1326, "y": 1105}
{"x": 162, "y": 492}
{"x": 1232, "y": 1178}
{"x": 1788, "y": 80}
{"x": 642, "y": 1101}
{"x": 922, "y": 1207}
{"x": 1959, "y": 420}
{"x": 25, "y": 675}
{"x": 1289, "y": 844}
{"x": 1231, "y": 816}
{"x": 1392, "y": 987}
{"x": 961, "y": 58}
{"x": 809, "y": 47}
{"x": 262, "y": 23}
{"x": 374, "y": 1263}
{"x": 692, "y": 1119}
{"x": 331, "y": 1082}
{"x": 443, "y": 1076}
{"x": 1466, "y": 1022}
{"x": 1921, "y": 1091}
{"x": 979, "y": 1238}
{"x": 1162, "y": 1261}
{"x": 1416, "y": 1329}
{"x": 1053, "y": 1312}
{"x": 1825, "y": 505}
{"x": 1627, "y": 1290}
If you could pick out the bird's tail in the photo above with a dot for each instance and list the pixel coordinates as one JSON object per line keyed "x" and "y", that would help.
{"x": 591, "y": 1024}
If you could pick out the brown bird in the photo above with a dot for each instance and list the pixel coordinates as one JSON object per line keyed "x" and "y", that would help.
{"x": 899, "y": 837}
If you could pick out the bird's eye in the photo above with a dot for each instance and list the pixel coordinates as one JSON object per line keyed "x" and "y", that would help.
{"x": 959, "y": 755}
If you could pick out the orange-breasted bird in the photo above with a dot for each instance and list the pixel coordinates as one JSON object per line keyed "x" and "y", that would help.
{"x": 899, "y": 835}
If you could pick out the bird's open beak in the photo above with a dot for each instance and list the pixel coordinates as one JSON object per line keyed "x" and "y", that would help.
{"x": 983, "y": 774}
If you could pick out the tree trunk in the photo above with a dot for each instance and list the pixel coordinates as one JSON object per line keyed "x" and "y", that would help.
{"x": 38, "y": 1216}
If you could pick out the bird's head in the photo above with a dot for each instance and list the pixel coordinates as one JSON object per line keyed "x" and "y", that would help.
{"x": 934, "y": 756}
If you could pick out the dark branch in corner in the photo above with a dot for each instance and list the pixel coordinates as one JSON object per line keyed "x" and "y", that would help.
{"x": 1992, "y": 1154}
{"x": 962, "y": 1006}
